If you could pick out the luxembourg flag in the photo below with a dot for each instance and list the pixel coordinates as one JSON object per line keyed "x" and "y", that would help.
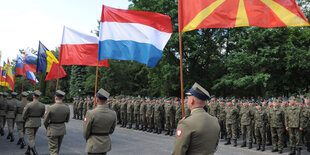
{"x": 133, "y": 35}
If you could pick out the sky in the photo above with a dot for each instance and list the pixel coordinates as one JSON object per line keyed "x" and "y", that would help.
{"x": 24, "y": 22}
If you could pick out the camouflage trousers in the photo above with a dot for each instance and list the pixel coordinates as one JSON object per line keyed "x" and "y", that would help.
{"x": 177, "y": 119}
{"x": 223, "y": 127}
{"x": 2, "y": 122}
{"x": 11, "y": 122}
{"x": 31, "y": 134}
{"x": 260, "y": 134}
{"x": 247, "y": 130}
{"x": 158, "y": 122}
{"x": 295, "y": 137}
{"x": 137, "y": 119}
{"x": 20, "y": 129}
{"x": 80, "y": 113}
{"x": 268, "y": 133}
{"x": 124, "y": 117}
{"x": 143, "y": 120}
{"x": 150, "y": 122}
{"x": 231, "y": 131}
{"x": 75, "y": 112}
{"x": 129, "y": 118}
{"x": 169, "y": 123}
{"x": 307, "y": 136}
{"x": 277, "y": 137}
{"x": 54, "y": 143}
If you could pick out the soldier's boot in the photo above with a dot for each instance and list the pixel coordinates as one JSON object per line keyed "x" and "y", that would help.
{"x": 298, "y": 151}
{"x": 222, "y": 136}
{"x": 137, "y": 127}
{"x": 258, "y": 148}
{"x": 129, "y": 126}
{"x": 250, "y": 146}
{"x": 269, "y": 143}
{"x": 280, "y": 151}
{"x": 159, "y": 131}
{"x": 254, "y": 141}
{"x": 308, "y": 147}
{"x": 141, "y": 127}
{"x": 9, "y": 136}
{"x": 28, "y": 151}
{"x": 228, "y": 142}
{"x": 22, "y": 144}
{"x": 168, "y": 132}
{"x": 285, "y": 145}
{"x": 155, "y": 131}
{"x": 263, "y": 148}
{"x": 12, "y": 138}
{"x": 1, "y": 132}
{"x": 243, "y": 144}
{"x": 235, "y": 142}
{"x": 274, "y": 150}
{"x": 144, "y": 128}
{"x": 292, "y": 152}
{"x": 34, "y": 151}
{"x": 171, "y": 133}
{"x": 19, "y": 141}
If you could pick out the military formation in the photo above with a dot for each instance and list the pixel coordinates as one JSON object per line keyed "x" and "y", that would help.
{"x": 154, "y": 115}
{"x": 280, "y": 122}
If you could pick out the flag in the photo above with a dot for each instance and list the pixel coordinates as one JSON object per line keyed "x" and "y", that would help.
{"x": 3, "y": 70}
{"x": 45, "y": 59}
{"x": 2, "y": 79}
{"x": 53, "y": 74}
{"x": 30, "y": 61}
{"x": 79, "y": 48}
{"x": 31, "y": 77}
{"x": 201, "y": 14}
{"x": 19, "y": 69}
{"x": 133, "y": 35}
{"x": 10, "y": 75}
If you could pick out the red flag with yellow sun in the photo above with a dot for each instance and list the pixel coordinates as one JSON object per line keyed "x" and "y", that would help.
{"x": 199, "y": 14}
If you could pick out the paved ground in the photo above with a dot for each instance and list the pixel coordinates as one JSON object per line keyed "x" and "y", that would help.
{"x": 124, "y": 142}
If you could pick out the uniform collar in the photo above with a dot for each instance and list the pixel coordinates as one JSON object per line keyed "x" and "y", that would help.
{"x": 102, "y": 106}
{"x": 197, "y": 110}
{"x": 58, "y": 102}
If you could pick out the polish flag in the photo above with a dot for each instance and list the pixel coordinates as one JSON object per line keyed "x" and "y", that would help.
{"x": 79, "y": 48}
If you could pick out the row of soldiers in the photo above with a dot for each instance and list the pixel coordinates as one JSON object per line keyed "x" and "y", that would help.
{"x": 147, "y": 114}
{"x": 81, "y": 106}
{"x": 275, "y": 121}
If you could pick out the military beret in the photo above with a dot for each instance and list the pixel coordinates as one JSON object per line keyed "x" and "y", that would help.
{"x": 102, "y": 94}
{"x": 25, "y": 94}
{"x": 292, "y": 98}
{"x": 14, "y": 94}
{"x": 60, "y": 93}
{"x": 198, "y": 92}
{"x": 212, "y": 96}
{"x": 233, "y": 97}
{"x": 298, "y": 100}
{"x": 5, "y": 94}
{"x": 229, "y": 100}
{"x": 222, "y": 100}
{"x": 37, "y": 93}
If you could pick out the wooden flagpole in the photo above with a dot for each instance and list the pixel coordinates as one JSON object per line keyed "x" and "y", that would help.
{"x": 181, "y": 72}
{"x": 181, "y": 55}
{"x": 97, "y": 68}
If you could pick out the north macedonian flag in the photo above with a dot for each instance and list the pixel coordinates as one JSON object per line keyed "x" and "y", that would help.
{"x": 199, "y": 14}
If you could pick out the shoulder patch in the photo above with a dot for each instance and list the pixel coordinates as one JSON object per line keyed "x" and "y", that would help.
{"x": 85, "y": 119}
{"x": 179, "y": 132}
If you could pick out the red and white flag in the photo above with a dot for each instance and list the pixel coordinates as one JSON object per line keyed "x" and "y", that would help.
{"x": 79, "y": 48}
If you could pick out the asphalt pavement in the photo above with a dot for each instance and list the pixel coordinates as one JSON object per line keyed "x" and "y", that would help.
{"x": 124, "y": 142}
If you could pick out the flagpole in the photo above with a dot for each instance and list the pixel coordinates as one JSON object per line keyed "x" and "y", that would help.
{"x": 57, "y": 77}
{"x": 22, "y": 83}
{"x": 181, "y": 72}
{"x": 96, "y": 82}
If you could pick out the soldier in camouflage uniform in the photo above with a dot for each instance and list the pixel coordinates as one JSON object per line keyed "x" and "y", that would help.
{"x": 187, "y": 111}
{"x": 222, "y": 118}
{"x": 294, "y": 125}
{"x": 75, "y": 108}
{"x": 123, "y": 112}
{"x": 116, "y": 108}
{"x": 214, "y": 107}
{"x": 178, "y": 111}
{"x": 149, "y": 116}
{"x": 143, "y": 114}
{"x": 80, "y": 108}
{"x": 277, "y": 119}
{"x": 232, "y": 113}
{"x": 137, "y": 104}
{"x": 307, "y": 121}
{"x": 90, "y": 104}
{"x": 158, "y": 111}
{"x": 3, "y": 106}
{"x": 85, "y": 107}
{"x": 130, "y": 113}
{"x": 246, "y": 114}
{"x": 260, "y": 119}
{"x": 284, "y": 106}
{"x": 169, "y": 114}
